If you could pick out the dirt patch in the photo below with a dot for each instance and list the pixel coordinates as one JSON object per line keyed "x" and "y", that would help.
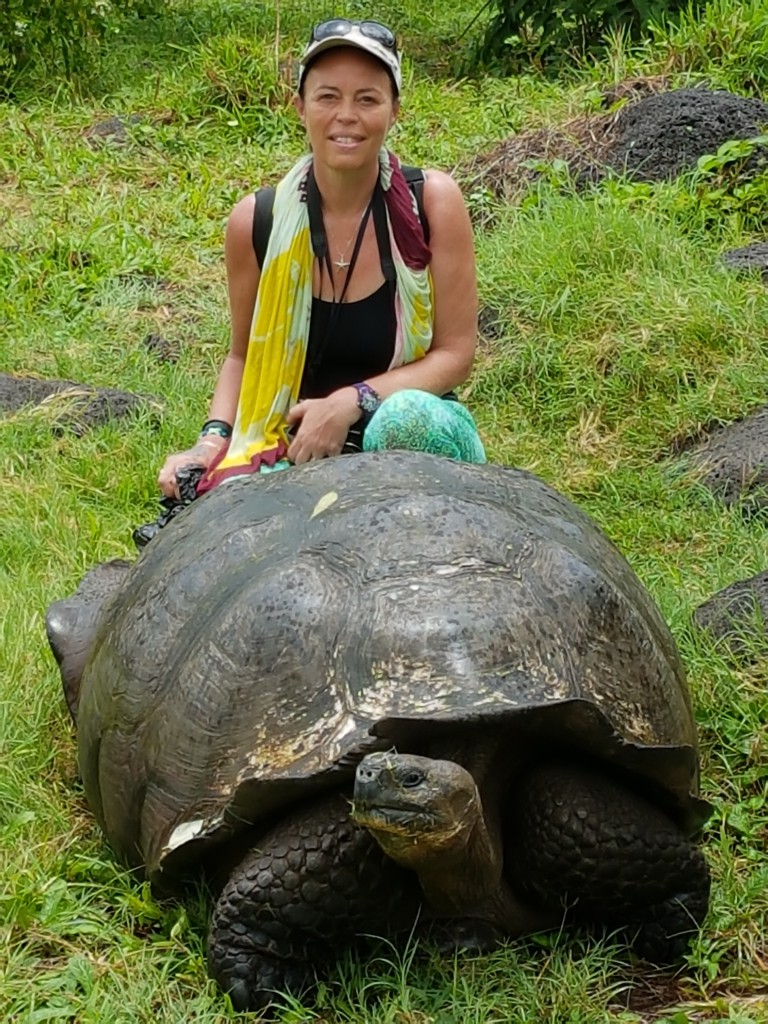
{"x": 662, "y": 136}
{"x": 161, "y": 348}
{"x": 654, "y": 138}
{"x": 492, "y": 323}
{"x": 748, "y": 258}
{"x": 735, "y": 618}
{"x": 509, "y": 169}
{"x": 732, "y": 462}
{"x": 664, "y": 997}
{"x": 650, "y": 994}
{"x": 114, "y": 130}
{"x": 70, "y": 406}
{"x": 117, "y": 129}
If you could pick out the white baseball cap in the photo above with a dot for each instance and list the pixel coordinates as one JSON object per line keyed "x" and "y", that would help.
{"x": 370, "y": 36}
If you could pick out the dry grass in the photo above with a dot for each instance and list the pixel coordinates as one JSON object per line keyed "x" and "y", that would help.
{"x": 583, "y": 143}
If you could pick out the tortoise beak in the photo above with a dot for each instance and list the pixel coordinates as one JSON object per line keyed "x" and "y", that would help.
{"x": 373, "y": 777}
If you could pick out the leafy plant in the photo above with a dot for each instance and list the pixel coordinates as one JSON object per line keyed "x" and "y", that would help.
{"x": 544, "y": 31}
{"x": 730, "y": 185}
{"x": 53, "y": 34}
{"x": 249, "y": 84}
{"x": 726, "y": 42}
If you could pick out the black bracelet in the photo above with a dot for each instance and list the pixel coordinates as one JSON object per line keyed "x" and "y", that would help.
{"x": 220, "y": 427}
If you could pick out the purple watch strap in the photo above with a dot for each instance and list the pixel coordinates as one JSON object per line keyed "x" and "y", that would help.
{"x": 368, "y": 400}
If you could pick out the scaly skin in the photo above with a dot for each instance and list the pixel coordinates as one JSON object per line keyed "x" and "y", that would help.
{"x": 576, "y": 846}
{"x": 601, "y": 854}
{"x": 315, "y": 885}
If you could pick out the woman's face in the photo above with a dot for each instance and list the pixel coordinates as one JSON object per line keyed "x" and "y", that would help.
{"x": 347, "y": 108}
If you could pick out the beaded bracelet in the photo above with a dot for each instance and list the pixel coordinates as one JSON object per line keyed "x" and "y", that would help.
{"x": 219, "y": 427}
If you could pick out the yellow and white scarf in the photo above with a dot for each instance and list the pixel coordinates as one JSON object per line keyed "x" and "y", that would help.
{"x": 279, "y": 334}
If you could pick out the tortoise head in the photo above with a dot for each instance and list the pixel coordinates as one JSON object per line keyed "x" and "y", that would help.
{"x": 71, "y": 624}
{"x": 415, "y": 806}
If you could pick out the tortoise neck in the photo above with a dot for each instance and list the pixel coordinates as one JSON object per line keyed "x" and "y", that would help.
{"x": 458, "y": 859}
{"x": 462, "y": 874}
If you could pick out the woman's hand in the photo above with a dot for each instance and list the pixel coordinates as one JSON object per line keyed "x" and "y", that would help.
{"x": 321, "y": 425}
{"x": 201, "y": 454}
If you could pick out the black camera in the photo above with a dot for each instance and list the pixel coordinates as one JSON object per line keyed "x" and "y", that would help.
{"x": 187, "y": 478}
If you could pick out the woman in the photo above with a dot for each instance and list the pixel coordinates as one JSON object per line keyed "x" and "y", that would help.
{"x": 354, "y": 326}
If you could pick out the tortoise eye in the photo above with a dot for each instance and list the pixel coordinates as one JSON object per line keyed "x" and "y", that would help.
{"x": 412, "y": 779}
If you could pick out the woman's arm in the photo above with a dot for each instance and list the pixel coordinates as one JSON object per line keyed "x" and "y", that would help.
{"x": 242, "y": 284}
{"x": 449, "y": 360}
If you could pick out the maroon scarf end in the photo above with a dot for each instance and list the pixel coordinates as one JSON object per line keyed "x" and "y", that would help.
{"x": 214, "y": 476}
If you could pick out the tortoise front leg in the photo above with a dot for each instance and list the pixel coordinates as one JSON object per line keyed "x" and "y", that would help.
{"x": 311, "y": 887}
{"x": 606, "y": 856}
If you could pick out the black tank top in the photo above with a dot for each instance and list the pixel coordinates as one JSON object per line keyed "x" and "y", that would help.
{"x": 361, "y": 344}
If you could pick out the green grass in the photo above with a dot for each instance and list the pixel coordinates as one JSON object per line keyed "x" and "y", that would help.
{"x": 618, "y": 335}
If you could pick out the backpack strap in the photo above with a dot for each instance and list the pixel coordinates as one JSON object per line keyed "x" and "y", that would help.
{"x": 265, "y": 198}
{"x": 415, "y": 178}
{"x": 262, "y": 222}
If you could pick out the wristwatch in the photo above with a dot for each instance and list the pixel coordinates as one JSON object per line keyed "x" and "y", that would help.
{"x": 368, "y": 400}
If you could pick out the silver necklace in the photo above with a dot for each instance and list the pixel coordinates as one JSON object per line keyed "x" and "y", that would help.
{"x": 342, "y": 262}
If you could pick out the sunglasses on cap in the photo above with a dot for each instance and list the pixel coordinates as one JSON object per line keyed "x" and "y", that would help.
{"x": 343, "y": 26}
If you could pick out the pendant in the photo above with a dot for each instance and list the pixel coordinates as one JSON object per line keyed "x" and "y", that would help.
{"x": 341, "y": 263}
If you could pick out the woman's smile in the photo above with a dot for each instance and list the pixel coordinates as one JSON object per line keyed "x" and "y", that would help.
{"x": 347, "y": 141}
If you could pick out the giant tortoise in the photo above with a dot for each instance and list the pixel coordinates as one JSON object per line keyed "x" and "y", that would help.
{"x": 385, "y": 687}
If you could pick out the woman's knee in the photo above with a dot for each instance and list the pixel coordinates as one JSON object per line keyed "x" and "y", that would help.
{"x": 419, "y": 421}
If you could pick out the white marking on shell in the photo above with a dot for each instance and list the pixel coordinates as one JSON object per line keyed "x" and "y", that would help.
{"x": 387, "y": 695}
{"x": 395, "y": 681}
{"x": 313, "y": 748}
{"x": 631, "y": 718}
{"x": 187, "y": 831}
{"x": 325, "y": 502}
{"x": 462, "y": 564}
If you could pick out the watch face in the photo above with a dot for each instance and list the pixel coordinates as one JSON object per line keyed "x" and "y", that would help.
{"x": 367, "y": 399}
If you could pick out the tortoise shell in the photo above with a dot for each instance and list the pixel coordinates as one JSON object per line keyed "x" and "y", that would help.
{"x": 287, "y": 624}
